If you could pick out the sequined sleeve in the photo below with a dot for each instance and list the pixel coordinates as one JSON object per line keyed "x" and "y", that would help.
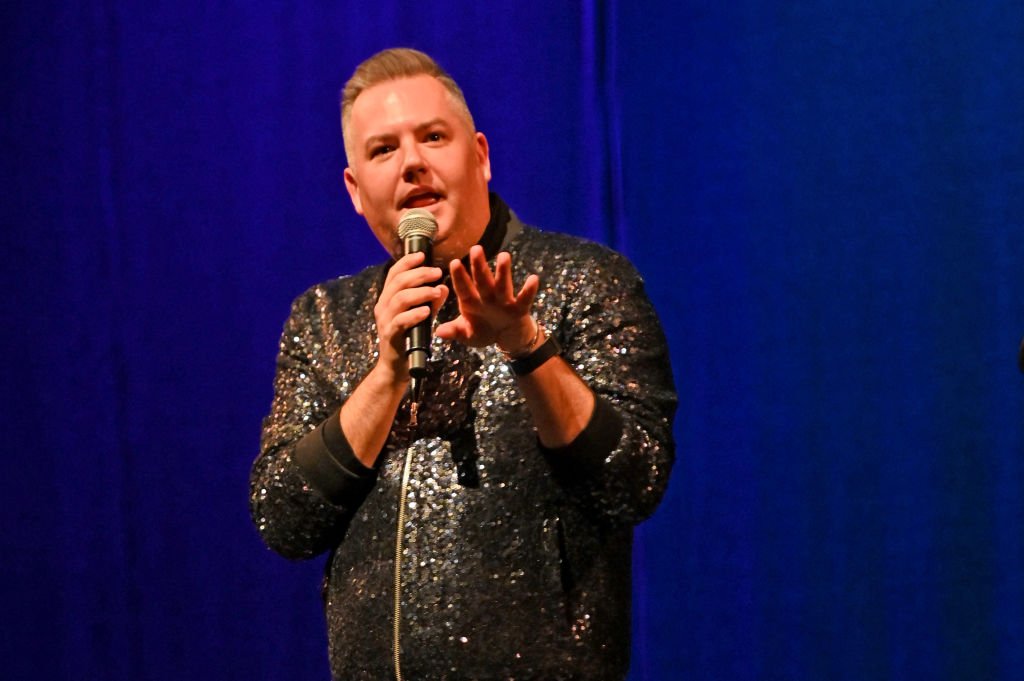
{"x": 292, "y": 516}
{"x": 612, "y": 337}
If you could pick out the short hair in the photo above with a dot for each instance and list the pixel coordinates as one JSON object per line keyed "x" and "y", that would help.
{"x": 393, "y": 64}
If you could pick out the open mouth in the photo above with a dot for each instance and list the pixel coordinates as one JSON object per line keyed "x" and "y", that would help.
{"x": 421, "y": 200}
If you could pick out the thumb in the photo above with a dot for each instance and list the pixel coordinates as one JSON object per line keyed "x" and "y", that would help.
{"x": 457, "y": 329}
{"x": 436, "y": 305}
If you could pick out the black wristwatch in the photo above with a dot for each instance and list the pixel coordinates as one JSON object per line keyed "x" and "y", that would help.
{"x": 522, "y": 366}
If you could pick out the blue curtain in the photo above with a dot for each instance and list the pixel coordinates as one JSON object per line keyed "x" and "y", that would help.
{"x": 825, "y": 200}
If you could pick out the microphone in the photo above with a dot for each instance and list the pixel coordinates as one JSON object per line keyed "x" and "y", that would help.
{"x": 417, "y": 229}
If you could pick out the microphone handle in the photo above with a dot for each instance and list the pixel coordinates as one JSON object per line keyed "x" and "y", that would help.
{"x": 417, "y": 340}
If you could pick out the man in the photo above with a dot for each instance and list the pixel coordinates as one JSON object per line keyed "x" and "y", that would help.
{"x": 490, "y": 539}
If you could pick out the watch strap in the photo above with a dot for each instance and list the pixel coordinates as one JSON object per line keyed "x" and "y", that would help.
{"x": 521, "y": 366}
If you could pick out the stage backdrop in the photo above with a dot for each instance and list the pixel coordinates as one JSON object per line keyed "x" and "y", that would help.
{"x": 825, "y": 199}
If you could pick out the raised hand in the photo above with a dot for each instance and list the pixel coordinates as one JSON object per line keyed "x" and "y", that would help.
{"x": 490, "y": 313}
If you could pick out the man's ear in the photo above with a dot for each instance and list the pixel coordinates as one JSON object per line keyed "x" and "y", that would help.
{"x": 352, "y": 185}
{"x": 483, "y": 154}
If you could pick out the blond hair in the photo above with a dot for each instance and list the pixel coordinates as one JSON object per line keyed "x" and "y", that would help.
{"x": 393, "y": 64}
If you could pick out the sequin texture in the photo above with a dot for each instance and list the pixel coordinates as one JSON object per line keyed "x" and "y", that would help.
{"x": 514, "y": 565}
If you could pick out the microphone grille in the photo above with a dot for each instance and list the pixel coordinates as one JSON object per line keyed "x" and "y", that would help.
{"x": 417, "y": 222}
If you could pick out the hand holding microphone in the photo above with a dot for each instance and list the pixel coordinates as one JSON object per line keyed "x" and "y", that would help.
{"x": 417, "y": 230}
{"x": 409, "y": 296}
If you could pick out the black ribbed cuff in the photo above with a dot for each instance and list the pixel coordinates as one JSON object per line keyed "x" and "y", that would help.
{"x": 331, "y": 467}
{"x": 586, "y": 453}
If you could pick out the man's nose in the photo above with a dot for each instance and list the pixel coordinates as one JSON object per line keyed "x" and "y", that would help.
{"x": 413, "y": 163}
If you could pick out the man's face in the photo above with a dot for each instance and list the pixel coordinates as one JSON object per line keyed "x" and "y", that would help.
{"x": 412, "y": 147}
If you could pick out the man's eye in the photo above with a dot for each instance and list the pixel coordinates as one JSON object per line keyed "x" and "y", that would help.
{"x": 435, "y": 137}
{"x": 381, "y": 149}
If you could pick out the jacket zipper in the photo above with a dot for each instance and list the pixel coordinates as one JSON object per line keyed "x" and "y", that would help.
{"x": 398, "y": 565}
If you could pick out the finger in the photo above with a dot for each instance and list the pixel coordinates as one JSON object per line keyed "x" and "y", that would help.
{"x": 387, "y": 308}
{"x": 413, "y": 297}
{"x": 503, "y": 277}
{"x": 393, "y": 331}
{"x": 442, "y": 295}
{"x": 528, "y": 293}
{"x": 406, "y": 320}
{"x": 407, "y": 262}
{"x": 417, "y": 278}
{"x": 465, "y": 288}
{"x": 457, "y": 329}
{"x": 411, "y": 278}
{"x": 481, "y": 272}
{"x": 410, "y": 263}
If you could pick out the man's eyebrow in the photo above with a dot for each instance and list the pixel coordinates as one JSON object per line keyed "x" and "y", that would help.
{"x": 374, "y": 139}
{"x": 388, "y": 136}
{"x": 433, "y": 122}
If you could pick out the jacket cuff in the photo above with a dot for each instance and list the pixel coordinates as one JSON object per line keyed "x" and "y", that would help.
{"x": 327, "y": 461}
{"x": 591, "y": 447}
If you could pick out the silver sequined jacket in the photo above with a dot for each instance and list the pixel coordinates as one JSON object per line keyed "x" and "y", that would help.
{"x": 514, "y": 560}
